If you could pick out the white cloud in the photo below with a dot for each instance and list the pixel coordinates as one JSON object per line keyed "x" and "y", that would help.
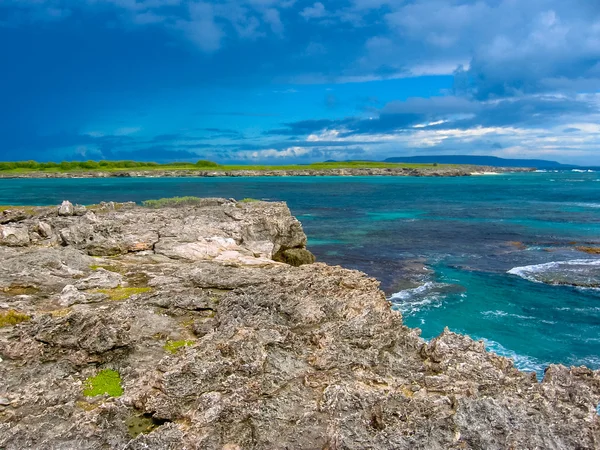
{"x": 126, "y": 131}
{"x": 315, "y": 11}
{"x": 201, "y": 28}
{"x": 292, "y": 152}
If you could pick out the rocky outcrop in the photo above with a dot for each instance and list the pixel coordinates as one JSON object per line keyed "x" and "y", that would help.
{"x": 218, "y": 346}
{"x": 453, "y": 171}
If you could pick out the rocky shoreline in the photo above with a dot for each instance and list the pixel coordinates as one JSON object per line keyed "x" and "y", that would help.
{"x": 189, "y": 328}
{"x": 461, "y": 171}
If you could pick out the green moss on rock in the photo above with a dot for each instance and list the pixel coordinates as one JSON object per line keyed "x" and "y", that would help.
{"x": 12, "y": 317}
{"x": 173, "y": 346}
{"x": 107, "y": 381}
{"x": 295, "y": 257}
{"x": 122, "y": 293}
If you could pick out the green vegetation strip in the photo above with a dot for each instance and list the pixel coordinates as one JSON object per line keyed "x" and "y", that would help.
{"x": 115, "y": 166}
{"x": 12, "y": 317}
{"x": 107, "y": 381}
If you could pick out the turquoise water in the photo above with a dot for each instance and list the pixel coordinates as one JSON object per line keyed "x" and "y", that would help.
{"x": 441, "y": 247}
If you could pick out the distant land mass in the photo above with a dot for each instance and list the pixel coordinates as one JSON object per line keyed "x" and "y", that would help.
{"x": 481, "y": 160}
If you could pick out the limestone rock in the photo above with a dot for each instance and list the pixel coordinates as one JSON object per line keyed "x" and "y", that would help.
{"x": 14, "y": 236}
{"x": 66, "y": 209}
{"x": 220, "y": 347}
{"x": 71, "y": 295}
{"x": 92, "y": 333}
{"x": 44, "y": 229}
{"x": 100, "y": 279}
{"x": 79, "y": 210}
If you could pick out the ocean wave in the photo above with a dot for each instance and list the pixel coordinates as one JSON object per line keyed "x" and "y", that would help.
{"x": 529, "y": 363}
{"x": 583, "y": 273}
{"x": 588, "y": 289}
{"x": 500, "y": 313}
{"x": 430, "y": 294}
{"x": 522, "y": 362}
{"x": 408, "y": 294}
{"x": 587, "y": 205}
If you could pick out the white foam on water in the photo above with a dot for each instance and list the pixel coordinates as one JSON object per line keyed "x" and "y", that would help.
{"x": 499, "y": 313}
{"x": 529, "y": 272}
{"x": 587, "y": 205}
{"x": 535, "y": 248}
{"x": 587, "y": 310}
{"x": 522, "y": 362}
{"x": 407, "y": 294}
{"x": 587, "y": 289}
{"x": 409, "y": 301}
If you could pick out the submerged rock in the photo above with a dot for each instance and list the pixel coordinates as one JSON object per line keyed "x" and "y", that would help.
{"x": 218, "y": 346}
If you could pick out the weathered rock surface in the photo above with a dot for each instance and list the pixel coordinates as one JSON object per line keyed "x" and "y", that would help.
{"x": 66, "y": 209}
{"x": 275, "y": 356}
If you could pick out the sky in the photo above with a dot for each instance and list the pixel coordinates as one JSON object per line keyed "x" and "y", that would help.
{"x": 268, "y": 81}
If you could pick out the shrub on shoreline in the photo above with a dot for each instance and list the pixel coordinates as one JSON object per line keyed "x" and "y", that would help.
{"x": 98, "y": 165}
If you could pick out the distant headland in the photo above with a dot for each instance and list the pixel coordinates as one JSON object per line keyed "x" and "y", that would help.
{"x": 204, "y": 168}
{"x": 481, "y": 160}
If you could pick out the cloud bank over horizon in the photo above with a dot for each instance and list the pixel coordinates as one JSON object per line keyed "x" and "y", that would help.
{"x": 299, "y": 81}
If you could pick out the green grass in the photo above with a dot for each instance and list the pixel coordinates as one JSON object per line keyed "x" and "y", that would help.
{"x": 173, "y": 346}
{"x": 25, "y": 209}
{"x": 122, "y": 293}
{"x": 182, "y": 201}
{"x": 116, "y": 166}
{"x": 107, "y": 381}
{"x": 173, "y": 201}
{"x": 12, "y": 317}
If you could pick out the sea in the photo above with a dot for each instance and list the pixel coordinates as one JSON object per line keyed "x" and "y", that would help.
{"x": 497, "y": 257}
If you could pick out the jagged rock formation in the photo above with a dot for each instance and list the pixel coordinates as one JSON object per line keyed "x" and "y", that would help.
{"x": 218, "y": 346}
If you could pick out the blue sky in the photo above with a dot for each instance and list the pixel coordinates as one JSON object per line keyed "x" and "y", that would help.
{"x": 299, "y": 81}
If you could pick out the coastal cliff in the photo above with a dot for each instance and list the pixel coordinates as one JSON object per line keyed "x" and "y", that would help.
{"x": 188, "y": 327}
{"x": 455, "y": 171}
